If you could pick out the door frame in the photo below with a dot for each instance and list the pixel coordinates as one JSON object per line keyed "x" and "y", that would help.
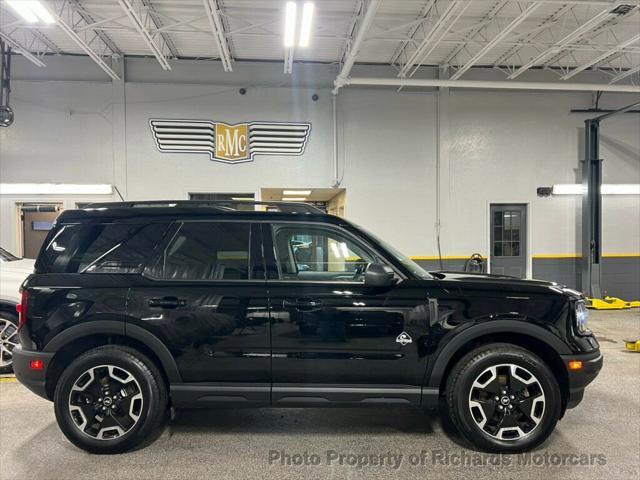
{"x": 529, "y": 236}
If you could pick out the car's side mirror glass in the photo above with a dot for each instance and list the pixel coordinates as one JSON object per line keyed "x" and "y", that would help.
{"x": 378, "y": 275}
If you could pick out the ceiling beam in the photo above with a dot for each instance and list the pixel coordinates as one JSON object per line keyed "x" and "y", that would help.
{"x": 601, "y": 58}
{"x": 625, "y": 74}
{"x": 426, "y": 11}
{"x": 140, "y": 25}
{"x": 496, "y": 40}
{"x": 561, "y": 44}
{"x": 22, "y": 50}
{"x": 489, "y": 18}
{"x": 492, "y": 84}
{"x": 88, "y": 18}
{"x": 354, "y": 49}
{"x": 432, "y": 39}
{"x": 155, "y": 19}
{"x": 530, "y": 36}
{"x": 217, "y": 29}
{"x": 78, "y": 40}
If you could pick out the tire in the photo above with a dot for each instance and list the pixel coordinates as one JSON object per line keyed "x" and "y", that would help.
{"x": 8, "y": 340}
{"x": 528, "y": 397}
{"x": 137, "y": 397}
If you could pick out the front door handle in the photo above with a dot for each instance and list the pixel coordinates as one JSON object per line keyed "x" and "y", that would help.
{"x": 301, "y": 304}
{"x": 167, "y": 302}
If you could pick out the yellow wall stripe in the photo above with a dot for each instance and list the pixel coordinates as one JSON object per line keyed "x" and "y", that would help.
{"x": 535, "y": 256}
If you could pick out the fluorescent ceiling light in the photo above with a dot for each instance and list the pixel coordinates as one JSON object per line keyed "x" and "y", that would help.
{"x": 605, "y": 189}
{"x": 31, "y": 11}
{"x": 290, "y": 24}
{"x": 54, "y": 189}
{"x": 295, "y": 199}
{"x": 297, "y": 192}
{"x": 42, "y": 13}
{"x": 242, "y": 199}
{"x": 305, "y": 28}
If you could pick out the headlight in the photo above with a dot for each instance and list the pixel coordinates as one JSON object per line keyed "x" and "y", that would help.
{"x": 582, "y": 316}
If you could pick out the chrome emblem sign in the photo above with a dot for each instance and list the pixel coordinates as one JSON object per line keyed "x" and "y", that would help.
{"x": 230, "y": 143}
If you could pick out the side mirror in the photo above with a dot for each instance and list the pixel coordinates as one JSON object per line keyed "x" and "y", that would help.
{"x": 378, "y": 275}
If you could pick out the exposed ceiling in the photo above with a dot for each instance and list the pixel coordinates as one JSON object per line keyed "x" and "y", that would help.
{"x": 567, "y": 37}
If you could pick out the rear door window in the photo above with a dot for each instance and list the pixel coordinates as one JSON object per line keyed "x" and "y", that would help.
{"x": 100, "y": 248}
{"x": 206, "y": 251}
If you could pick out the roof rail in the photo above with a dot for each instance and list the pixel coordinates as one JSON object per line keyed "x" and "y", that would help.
{"x": 224, "y": 205}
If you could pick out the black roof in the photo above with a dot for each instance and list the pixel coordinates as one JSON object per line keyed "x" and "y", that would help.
{"x": 187, "y": 208}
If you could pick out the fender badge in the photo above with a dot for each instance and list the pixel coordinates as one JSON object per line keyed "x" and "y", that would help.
{"x": 404, "y": 339}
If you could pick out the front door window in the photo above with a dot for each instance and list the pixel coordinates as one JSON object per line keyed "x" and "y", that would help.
{"x": 319, "y": 254}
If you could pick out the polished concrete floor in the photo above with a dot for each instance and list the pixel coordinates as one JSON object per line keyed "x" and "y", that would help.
{"x": 604, "y": 432}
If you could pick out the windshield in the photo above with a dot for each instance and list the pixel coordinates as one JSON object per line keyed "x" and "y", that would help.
{"x": 6, "y": 256}
{"x": 406, "y": 262}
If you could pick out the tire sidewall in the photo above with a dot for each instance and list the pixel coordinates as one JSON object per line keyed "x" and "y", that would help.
{"x": 150, "y": 406}
{"x": 549, "y": 386}
{"x": 14, "y": 320}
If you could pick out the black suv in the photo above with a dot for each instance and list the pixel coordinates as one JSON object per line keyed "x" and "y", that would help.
{"x": 138, "y": 306}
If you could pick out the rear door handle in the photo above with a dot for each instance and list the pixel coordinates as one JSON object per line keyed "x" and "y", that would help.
{"x": 301, "y": 304}
{"x": 167, "y": 302}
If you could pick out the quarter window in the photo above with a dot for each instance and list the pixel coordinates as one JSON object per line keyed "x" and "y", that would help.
{"x": 315, "y": 253}
{"x": 100, "y": 248}
{"x": 206, "y": 251}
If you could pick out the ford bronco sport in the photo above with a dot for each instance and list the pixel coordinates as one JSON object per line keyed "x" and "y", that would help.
{"x": 135, "y": 307}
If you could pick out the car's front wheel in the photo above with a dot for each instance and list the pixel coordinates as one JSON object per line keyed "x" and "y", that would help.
{"x": 503, "y": 398}
{"x": 110, "y": 399}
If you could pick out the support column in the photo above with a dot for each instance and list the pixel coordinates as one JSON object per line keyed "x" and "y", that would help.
{"x": 591, "y": 211}
{"x": 443, "y": 160}
{"x": 119, "y": 131}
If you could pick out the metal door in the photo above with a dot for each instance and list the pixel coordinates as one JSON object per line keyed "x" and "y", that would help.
{"x": 37, "y": 220}
{"x": 509, "y": 240}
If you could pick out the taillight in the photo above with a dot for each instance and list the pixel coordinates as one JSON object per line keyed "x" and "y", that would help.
{"x": 22, "y": 308}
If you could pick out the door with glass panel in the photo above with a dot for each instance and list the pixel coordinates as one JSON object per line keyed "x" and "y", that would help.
{"x": 333, "y": 338}
{"x": 205, "y": 296}
{"x": 509, "y": 239}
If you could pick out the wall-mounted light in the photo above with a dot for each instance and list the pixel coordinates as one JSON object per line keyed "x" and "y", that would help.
{"x": 295, "y": 199}
{"x": 567, "y": 189}
{"x": 55, "y": 189}
{"x": 290, "y": 21}
{"x": 299, "y": 193}
{"x": 32, "y": 11}
{"x": 578, "y": 189}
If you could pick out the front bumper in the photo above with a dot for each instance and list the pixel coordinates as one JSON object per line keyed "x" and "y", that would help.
{"x": 34, "y": 380}
{"x": 579, "y": 379}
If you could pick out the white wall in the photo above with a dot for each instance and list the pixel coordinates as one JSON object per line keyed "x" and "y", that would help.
{"x": 503, "y": 145}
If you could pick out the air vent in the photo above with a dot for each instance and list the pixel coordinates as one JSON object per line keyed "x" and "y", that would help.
{"x": 623, "y": 9}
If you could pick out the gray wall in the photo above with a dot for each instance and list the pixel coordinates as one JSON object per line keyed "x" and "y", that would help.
{"x": 73, "y": 126}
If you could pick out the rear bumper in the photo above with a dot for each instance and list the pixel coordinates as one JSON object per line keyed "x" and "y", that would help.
{"x": 34, "y": 380}
{"x": 579, "y": 379}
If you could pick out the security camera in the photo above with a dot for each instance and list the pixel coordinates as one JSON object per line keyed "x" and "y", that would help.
{"x": 315, "y": 97}
{"x": 242, "y": 91}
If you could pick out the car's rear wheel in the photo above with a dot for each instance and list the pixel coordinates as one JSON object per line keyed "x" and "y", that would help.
{"x": 503, "y": 398}
{"x": 110, "y": 399}
{"x": 8, "y": 340}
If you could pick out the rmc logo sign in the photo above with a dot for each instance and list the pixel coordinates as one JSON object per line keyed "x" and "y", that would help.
{"x": 230, "y": 143}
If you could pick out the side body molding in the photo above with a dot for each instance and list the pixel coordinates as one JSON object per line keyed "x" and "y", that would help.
{"x": 125, "y": 329}
{"x": 436, "y": 370}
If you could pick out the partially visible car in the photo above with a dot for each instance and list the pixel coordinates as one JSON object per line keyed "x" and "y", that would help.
{"x": 13, "y": 271}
